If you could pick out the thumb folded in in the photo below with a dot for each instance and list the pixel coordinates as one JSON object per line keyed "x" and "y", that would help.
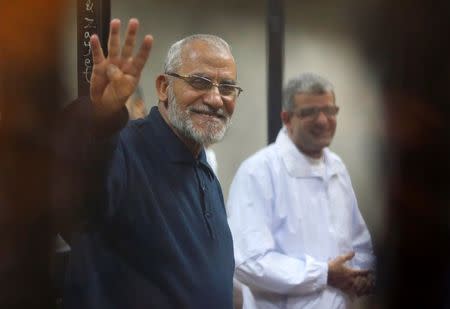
{"x": 348, "y": 256}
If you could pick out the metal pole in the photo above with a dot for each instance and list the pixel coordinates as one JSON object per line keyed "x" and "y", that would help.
{"x": 93, "y": 16}
{"x": 275, "y": 59}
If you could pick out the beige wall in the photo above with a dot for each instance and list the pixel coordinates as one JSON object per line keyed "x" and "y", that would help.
{"x": 317, "y": 39}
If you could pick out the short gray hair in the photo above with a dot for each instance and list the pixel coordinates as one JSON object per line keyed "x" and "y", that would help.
{"x": 308, "y": 83}
{"x": 173, "y": 59}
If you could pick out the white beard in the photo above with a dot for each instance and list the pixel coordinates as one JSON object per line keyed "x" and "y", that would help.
{"x": 208, "y": 132}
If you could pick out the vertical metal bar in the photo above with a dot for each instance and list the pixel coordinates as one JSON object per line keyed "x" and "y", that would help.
{"x": 275, "y": 60}
{"x": 93, "y": 16}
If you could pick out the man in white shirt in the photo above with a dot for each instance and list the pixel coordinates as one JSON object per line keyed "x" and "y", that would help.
{"x": 299, "y": 238}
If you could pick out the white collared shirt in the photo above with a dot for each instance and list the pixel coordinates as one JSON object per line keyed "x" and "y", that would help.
{"x": 211, "y": 159}
{"x": 288, "y": 219}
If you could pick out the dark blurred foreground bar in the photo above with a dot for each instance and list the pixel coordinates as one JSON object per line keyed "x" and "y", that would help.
{"x": 408, "y": 44}
{"x": 29, "y": 103}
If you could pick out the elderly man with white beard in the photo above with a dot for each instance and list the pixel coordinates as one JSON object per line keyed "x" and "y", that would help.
{"x": 156, "y": 235}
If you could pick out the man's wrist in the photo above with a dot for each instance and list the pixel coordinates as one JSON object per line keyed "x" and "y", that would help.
{"x": 103, "y": 127}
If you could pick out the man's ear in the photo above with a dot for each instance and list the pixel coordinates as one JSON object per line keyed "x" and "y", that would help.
{"x": 285, "y": 117}
{"x": 162, "y": 85}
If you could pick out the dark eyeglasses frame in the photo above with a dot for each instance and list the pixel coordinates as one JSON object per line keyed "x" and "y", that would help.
{"x": 313, "y": 112}
{"x": 187, "y": 79}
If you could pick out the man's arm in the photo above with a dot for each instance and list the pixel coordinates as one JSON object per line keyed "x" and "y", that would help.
{"x": 282, "y": 274}
{"x": 364, "y": 258}
{"x": 361, "y": 241}
{"x": 85, "y": 141}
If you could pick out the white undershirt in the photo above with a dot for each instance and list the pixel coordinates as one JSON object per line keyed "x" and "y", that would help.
{"x": 317, "y": 165}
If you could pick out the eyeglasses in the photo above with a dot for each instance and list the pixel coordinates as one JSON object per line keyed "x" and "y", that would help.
{"x": 203, "y": 83}
{"x": 313, "y": 112}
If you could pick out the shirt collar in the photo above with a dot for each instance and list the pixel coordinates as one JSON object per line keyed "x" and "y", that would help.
{"x": 296, "y": 162}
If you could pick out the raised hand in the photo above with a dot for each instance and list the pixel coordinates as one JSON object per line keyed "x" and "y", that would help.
{"x": 114, "y": 78}
{"x": 345, "y": 278}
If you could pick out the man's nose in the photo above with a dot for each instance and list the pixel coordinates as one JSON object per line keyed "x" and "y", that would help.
{"x": 322, "y": 117}
{"x": 213, "y": 97}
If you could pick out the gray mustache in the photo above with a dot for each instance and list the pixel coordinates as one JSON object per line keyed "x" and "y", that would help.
{"x": 209, "y": 110}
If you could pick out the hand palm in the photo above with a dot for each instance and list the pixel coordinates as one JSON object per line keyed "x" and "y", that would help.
{"x": 115, "y": 77}
{"x": 112, "y": 92}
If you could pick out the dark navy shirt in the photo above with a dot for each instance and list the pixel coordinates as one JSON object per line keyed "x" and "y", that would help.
{"x": 158, "y": 235}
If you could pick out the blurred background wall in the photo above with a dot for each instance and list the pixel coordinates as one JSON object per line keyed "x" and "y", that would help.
{"x": 318, "y": 38}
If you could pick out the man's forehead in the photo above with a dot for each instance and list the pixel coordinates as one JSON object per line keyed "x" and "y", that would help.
{"x": 204, "y": 44}
{"x": 303, "y": 98}
{"x": 199, "y": 49}
{"x": 200, "y": 56}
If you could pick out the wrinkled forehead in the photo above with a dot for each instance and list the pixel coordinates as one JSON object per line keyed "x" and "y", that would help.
{"x": 202, "y": 54}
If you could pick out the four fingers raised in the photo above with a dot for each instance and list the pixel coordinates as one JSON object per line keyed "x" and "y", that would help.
{"x": 107, "y": 83}
{"x": 117, "y": 55}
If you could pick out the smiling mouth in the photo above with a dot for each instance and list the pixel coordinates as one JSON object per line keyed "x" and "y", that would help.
{"x": 209, "y": 114}
{"x": 321, "y": 134}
